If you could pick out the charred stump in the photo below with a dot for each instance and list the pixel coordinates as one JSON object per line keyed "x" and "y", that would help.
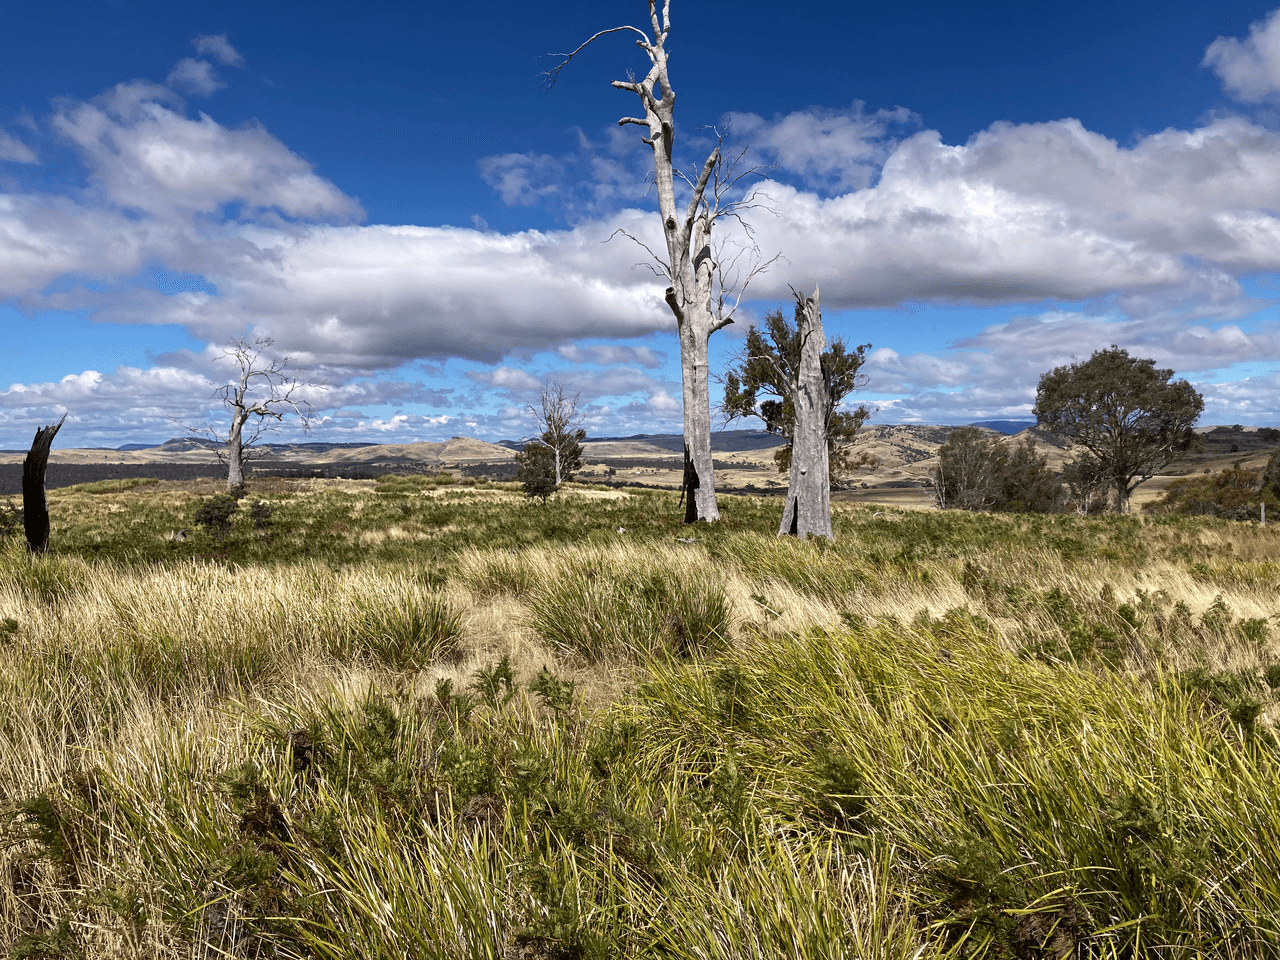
{"x": 35, "y": 506}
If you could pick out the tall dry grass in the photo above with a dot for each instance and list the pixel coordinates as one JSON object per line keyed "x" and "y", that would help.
{"x": 920, "y": 741}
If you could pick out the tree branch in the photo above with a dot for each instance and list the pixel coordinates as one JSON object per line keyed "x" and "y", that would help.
{"x": 550, "y": 76}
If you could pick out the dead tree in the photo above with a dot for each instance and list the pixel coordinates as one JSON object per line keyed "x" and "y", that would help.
{"x": 691, "y": 267}
{"x": 560, "y": 429}
{"x": 35, "y": 505}
{"x": 808, "y": 507}
{"x": 253, "y": 415}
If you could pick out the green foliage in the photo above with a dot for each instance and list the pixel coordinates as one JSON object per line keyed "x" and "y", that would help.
{"x": 537, "y": 471}
{"x": 1233, "y": 494}
{"x": 496, "y": 683}
{"x": 1271, "y": 474}
{"x": 216, "y": 513}
{"x": 10, "y": 519}
{"x": 260, "y": 513}
{"x": 1128, "y": 415}
{"x": 406, "y": 633}
{"x": 556, "y": 694}
{"x": 976, "y": 471}
{"x": 769, "y": 366}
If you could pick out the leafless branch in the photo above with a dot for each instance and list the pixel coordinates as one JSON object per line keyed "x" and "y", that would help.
{"x": 662, "y": 269}
{"x": 550, "y": 76}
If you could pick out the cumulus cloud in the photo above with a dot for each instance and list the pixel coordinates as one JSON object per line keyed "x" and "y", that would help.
{"x": 15, "y": 150}
{"x": 592, "y": 180}
{"x": 145, "y": 154}
{"x": 1048, "y": 210}
{"x": 178, "y": 392}
{"x": 830, "y": 150}
{"x": 1249, "y": 68}
{"x": 216, "y": 46}
{"x": 196, "y": 77}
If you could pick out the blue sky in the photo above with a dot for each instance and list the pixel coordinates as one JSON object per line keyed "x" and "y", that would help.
{"x": 982, "y": 192}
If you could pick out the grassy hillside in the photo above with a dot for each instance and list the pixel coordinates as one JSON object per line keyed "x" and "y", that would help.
{"x": 415, "y": 719}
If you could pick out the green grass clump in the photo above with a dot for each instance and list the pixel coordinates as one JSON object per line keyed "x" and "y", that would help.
{"x": 602, "y": 603}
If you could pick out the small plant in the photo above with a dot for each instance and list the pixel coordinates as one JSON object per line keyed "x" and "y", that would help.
{"x": 409, "y": 633}
{"x": 496, "y": 683}
{"x": 556, "y": 694}
{"x": 10, "y": 519}
{"x": 260, "y": 513}
{"x": 216, "y": 513}
{"x": 458, "y": 706}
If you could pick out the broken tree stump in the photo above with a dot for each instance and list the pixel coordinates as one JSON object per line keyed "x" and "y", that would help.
{"x": 35, "y": 506}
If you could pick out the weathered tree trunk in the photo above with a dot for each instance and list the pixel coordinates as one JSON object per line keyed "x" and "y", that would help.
{"x": 699, "y": 470}
{"x": 35, "y": 506}
{"x": 235, "y": 455}
{"x": 1123, "y": 491}
{"x": 808, "y": 507}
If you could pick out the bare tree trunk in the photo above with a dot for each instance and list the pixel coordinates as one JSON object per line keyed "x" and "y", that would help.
{"x": 699, "y": 467}
{"x": 235, "y": 455}
{"x": 1123, "y": 490}
{"x": 808, "y": 509}
{"x": 35, "y": 506}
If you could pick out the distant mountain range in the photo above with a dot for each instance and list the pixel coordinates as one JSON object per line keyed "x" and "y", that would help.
{"x": 722, "y": 441}
{"x": 1008, "y": 427}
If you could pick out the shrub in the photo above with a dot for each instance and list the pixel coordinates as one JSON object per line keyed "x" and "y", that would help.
{"x": 260, "y": 513}
{"x": 215, "y": 514}
{"x": 1232, "y": 494}
{"x": 10, "y": 519}
{"x": 537, "y": 473}
{"x": 976, "y": 471}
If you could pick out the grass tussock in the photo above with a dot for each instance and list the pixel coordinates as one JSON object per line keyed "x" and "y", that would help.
{"x": 528, "y": 733}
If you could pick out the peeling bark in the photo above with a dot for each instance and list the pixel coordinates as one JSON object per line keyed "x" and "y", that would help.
{"x": 35, "y": 505}
{"x": 808, "y": 509}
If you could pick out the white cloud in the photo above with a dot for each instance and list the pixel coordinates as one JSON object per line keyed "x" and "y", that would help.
{"x": 216, "y": 45}
{"x": 1159, "y": 233}
{"x": 15, "y": 150}
{"x": 605, "y": 354}
{"x": 507, "y": 378}
{"x": 660, "y": 401}
{"x": 514, "y": 176}
{"x": 196, "y": 77}
{"x": 1031, "y": 211}
{"x": 832, "y": 150}
{"x": 1249, "y": 68}
{"x": 145, "y": 154}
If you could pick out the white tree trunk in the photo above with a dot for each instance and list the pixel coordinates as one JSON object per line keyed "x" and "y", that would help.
{"x": 235, "y": 453}
{"x": 808, "y": 509}
{"x": 699, "y": 468}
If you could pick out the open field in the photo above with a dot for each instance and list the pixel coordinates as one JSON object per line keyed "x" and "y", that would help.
{"x": 416, "y": 718}
{"x": 902, "y": 457}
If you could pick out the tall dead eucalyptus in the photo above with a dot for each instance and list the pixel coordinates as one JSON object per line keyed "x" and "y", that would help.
{"x": 693, "y": 269}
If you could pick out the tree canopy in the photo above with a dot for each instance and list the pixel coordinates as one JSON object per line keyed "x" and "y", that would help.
{"x": 1131, "y": 417}
{"x": 766, "y": 368}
